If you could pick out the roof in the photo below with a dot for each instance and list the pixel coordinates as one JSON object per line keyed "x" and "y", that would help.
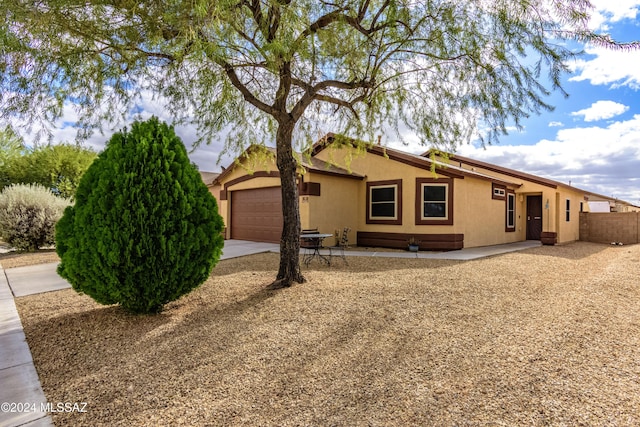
{"x": 308, "y": 163}
{"x": 526, "y": 176}
{"x": 417, "y": 161}
{"x": 422, "y": 161}
{"x": 504, "y": 171}
{"x": 208, "y": 177}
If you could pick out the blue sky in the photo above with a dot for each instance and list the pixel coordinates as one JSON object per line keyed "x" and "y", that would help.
{"x": 591, "y": 139}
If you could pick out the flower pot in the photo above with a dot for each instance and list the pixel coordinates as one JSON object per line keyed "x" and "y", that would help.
{"x": 414, "y": 248}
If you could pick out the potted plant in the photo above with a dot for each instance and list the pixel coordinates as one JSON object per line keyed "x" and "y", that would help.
{"x": 414, "y": 245}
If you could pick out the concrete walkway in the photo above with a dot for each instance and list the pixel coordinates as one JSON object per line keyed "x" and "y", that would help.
{"x": 18, "y": 376}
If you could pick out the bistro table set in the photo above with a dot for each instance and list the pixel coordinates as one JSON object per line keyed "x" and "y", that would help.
{"x": 312, "y": 242}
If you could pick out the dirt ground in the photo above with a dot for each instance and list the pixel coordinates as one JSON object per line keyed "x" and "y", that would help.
{"x": 546, "y": 336}
{"x": 22, "y": 259}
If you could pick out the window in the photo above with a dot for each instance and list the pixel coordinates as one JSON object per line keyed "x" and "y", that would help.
{"x": 568, "y": 210}
{"x": 384, "y": 202}
{"x": 434, "y": 201}
{"x": 498, "y": 191}
{"x": 511, "y": 212}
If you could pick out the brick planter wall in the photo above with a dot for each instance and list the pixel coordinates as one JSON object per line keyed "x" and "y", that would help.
{"x": 622, "y": 227}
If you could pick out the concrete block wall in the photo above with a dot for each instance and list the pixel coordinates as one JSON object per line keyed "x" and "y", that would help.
{"x": 619, "y": 227}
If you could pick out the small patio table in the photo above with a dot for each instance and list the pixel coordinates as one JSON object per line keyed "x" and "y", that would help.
{"x": 314, "y": 252}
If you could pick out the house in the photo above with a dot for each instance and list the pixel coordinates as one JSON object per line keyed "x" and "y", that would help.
{"x": 386, "y": 196}
{"x": 209, "y": 179}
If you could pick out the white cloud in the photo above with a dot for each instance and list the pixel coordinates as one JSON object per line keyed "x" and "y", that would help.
{"x": 63, "y": 130}
{"x": 601, "y": 110}
{"x": 613, "y": 11}
{"x": 616, "y": 68}
{"x": 604, "y": 160}
{"x": 555, "y": 124}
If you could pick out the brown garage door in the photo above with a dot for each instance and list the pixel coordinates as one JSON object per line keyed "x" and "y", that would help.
{"x": 257, "y": 214}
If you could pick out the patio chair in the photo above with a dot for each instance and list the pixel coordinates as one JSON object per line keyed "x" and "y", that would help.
{"x": 341, "y": 245}
{"x": 310, "y": 245}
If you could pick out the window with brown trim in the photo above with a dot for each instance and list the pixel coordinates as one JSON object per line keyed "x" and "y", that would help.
{"x": 434, "y": 201}
{"x": 498, "y": 192}
{"x": 568, "y": 211}
{"x": 384, "y": 202}
{"x": 511, "y": 211}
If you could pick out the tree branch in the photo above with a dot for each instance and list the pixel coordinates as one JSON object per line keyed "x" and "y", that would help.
{"x": 246, "y": 93}
{"x": 336, "y": 84}
{"x": 340, "y": 103}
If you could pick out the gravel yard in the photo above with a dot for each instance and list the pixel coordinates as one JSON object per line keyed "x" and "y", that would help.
{"x": 547, "y": 336}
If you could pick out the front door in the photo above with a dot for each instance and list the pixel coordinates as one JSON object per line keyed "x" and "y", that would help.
{"x": 534, "y": 217}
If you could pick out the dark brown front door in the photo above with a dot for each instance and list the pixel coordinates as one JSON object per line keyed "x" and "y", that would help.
{"x": 534, "y": 217}
{"x": 256, "y": 214}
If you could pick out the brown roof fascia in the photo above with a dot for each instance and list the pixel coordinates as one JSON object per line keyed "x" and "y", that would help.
{"x": 321, "y": 171}
{"x": 325, "y": 168}
{"x": 505, "y": 171}
{"x": 410, "y": 159}
{"x": 396, "y": 155}
{"x": 533, "y": 178}
{"x": 226, "y": 171}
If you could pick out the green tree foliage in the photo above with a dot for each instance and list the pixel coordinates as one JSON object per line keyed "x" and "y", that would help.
{"x": 144, "y": 229}
{"x": 274, "y": 68}
{"x": 57, "y": 167}
{"x": 28, "y": 216}
{"x": 11, "y": 147}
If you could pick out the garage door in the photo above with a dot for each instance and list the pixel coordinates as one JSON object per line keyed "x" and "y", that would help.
{"x": 257, "y": 214}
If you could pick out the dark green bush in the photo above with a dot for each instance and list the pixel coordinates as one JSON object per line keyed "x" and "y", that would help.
{"x": 144, "y": 229}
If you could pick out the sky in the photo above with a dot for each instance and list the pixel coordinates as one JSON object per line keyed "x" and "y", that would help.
{"x": 591, "y": 140}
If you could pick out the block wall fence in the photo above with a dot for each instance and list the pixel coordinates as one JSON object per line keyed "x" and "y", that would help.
{"x": 619, "y": 227}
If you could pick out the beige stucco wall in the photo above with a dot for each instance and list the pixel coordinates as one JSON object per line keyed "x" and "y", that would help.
{"x": 331, "y": 211}
{"x": 553, "y": 205}
{"x": 476, "y": 214}
{"x": 335, "y": 208}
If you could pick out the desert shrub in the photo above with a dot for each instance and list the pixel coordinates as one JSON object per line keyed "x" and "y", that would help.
{"x": 28, "y": 215}
{"x": 144, "y": 229}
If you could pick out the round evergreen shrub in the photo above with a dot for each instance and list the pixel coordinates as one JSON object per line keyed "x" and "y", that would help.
{"x": 144, "y": 229}
{"x": 28, "y": 216}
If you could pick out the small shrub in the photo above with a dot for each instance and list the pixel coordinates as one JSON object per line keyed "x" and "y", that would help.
{"x": 144, "y": 229}
{"x": 28, "y": 216}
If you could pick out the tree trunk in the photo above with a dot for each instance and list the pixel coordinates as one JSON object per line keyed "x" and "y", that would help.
{"x": 289, "y": 270}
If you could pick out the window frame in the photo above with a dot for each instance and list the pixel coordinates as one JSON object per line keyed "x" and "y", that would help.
{"x": 397, "y": 219}
{"x": 567, "y": 214}
{"x": 419, "y": 209}
{"x": 500, "y": 189}
{"x": 510, "y": 194}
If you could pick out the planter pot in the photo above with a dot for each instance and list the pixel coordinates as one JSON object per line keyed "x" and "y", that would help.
{"x": 549, "y": 238}
{"x": 414, "y": 248}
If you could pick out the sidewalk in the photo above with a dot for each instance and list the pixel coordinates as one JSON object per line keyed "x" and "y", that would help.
{"x": 18, "y": 375}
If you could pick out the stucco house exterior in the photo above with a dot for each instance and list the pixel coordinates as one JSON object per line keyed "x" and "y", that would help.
{"x": 386, "y": 196}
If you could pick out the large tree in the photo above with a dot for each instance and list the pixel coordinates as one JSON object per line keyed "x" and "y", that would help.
{"x": 269, "y": 69}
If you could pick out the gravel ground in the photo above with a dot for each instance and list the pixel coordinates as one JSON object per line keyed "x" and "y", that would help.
{"x": 547, "y": 336}
{"x": 22, "y": 259}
